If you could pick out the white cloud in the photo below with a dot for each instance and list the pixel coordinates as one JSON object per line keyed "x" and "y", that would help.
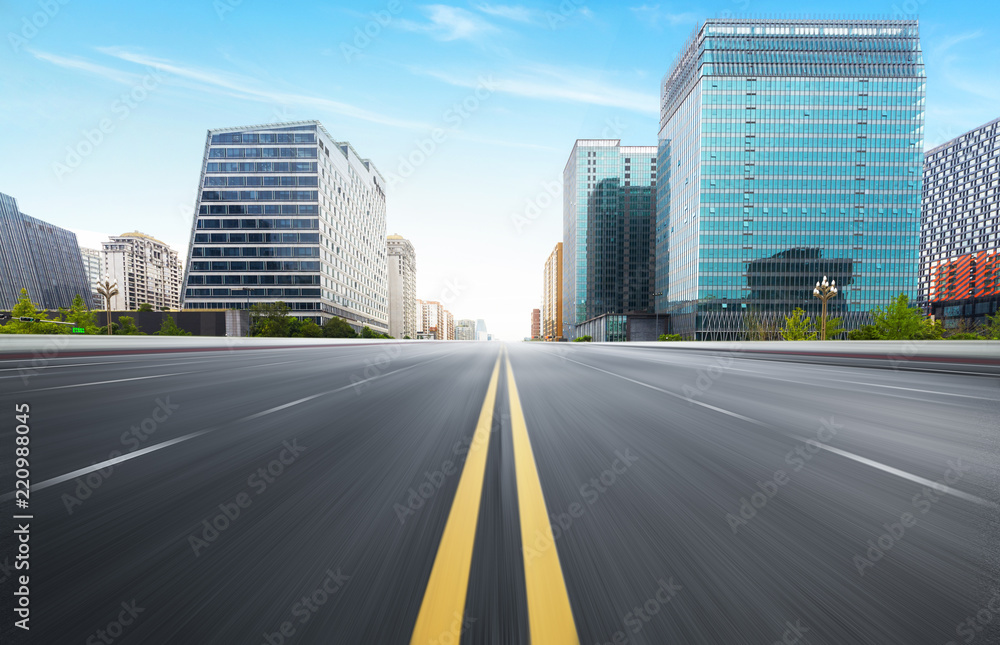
{"x": 546, "y": 82}
{"x": 449, "y": 23}
{"x": 510, "y": 12}
{"x": 125, "y": 78}
{"x": 656, "y": 17}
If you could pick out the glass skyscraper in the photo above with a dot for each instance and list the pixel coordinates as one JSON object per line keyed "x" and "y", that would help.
{"x": 39, "y": 257}
{"x": 287, "y": 213}
{"x": 609, "y": 211}
{"x": 788, "y": 150}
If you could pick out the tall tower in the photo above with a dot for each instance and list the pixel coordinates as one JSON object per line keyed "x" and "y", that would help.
{"x": 402, "y": 261}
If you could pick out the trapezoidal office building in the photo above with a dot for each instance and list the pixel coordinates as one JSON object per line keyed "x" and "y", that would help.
{"x": 286, "y": 213}
{"x": 788, "y": 150}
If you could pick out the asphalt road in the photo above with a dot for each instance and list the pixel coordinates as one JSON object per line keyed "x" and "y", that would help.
{"x": 388, "y": 493}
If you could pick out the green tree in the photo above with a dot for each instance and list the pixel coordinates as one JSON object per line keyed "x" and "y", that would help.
{"x": 992, "y": 330}
{"x": 126, "y": 327}
{"x": 865, "y": 332}
{"x": 308, "y": 329}
{"x": 338, "y": 328}
{"x": 27, "y": 309}
{"x": 144, "y": 306}
{"x": 671, "y": 337}
{"x": 798, "y": 326}
{"x": 583, "y": 339}
{"x": 834, "y": 328}
{"x": 169, "y": 328}
{"x": 270, "y": 319}
{"x": 899, "y": 321}
{"x": 80, "y": 315}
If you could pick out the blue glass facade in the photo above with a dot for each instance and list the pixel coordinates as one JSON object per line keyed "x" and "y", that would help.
{"x": 40, "y": 257}
{"x": 287, "y": 213}
{"x": 789, "y": 150}
{"x": 609, "y": 210}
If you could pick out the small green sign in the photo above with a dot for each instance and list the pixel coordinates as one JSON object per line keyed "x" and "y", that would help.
{"x": 79, "y": 330}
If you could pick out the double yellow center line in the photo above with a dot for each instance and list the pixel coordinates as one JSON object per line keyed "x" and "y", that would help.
{"x": 550, "y": 617}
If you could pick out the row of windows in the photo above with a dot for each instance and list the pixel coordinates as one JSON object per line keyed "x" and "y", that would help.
{"x": 259, "y": 223}
{"x": 869, "y": 198}
{"x": 261, "y": 181}
{"x": 271, "y": 265}
{"x": 832, "y": 44}
{"x": 813, "y": 69}
{"x": 710, "y": 170}
{"x": 261, "y": 166}
{"x": 775, "y": 183}
{"x": 270, "y": 293}
{"x": 295, "y": 306}
{"x": 262, "y": 153}
{"x": 259, "y": 195}
{"x": 259, "y": 209}
{"x": 256, "y": 238}
{"x": 802, "y": 85}
{"x": 814, "y": 156}
{"x": 253, "y": 279}
{"x": 850, "y": 114}
{"x": 256, "y": 252}
{"x": 264, "y": 137}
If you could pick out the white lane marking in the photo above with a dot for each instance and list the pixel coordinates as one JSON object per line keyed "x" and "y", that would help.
{"x": 902, "y": 473}
{"x": 132, "y": 455}
{"x": 913, "y": 389}
{"x": 269, "y": 364}
{"x": 836, "y": 451}
{"x": 119, "y": 380}
{"x": 52, "y": 367}
{"x": 674, "y": 394}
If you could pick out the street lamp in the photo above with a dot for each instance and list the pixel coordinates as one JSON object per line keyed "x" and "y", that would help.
{"x": 824, "y": 291}
{"x": 657, "y": 311}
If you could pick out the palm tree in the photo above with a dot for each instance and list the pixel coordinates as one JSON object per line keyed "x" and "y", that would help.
{"x": 107, "y": 290}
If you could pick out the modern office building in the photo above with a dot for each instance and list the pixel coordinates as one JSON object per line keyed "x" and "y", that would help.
{"x": 145, "y": 269}
{"x": 959, "y": 246}
{"x": 287, "y": 213}
{"x": 552, "y": 301}
{"x": 481, "y": 332}
{"x": 465, "y": 329}
{"x": 93, "y": 266}
{"x": 609, "y": 209}
{"x": 402, "y": 274}
{"x": 536, "y": 323}
{"x": 788, "y": 149}
{"x": 39, "y": 257}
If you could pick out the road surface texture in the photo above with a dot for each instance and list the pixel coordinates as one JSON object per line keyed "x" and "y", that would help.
{"x": 370, "y": 493}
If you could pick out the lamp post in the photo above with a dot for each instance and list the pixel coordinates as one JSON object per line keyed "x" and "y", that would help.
{"x": 657, "y": 311}
{"x": 824, "y": 291}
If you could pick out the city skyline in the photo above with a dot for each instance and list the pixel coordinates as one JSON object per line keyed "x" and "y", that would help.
{"x": 506, "y": 166}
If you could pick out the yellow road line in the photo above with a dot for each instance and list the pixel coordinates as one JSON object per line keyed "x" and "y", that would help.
{"x": 443, "y": 606}
{"x": 550, "y": 617}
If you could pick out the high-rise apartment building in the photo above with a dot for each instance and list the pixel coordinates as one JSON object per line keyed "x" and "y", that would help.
{"x": 93, "y": 266}
{"x": 286, "y": 213}
{"x": 434, "y": 321}
{"x": 959, "y": 246}
{"x": 39, "y": 257}
{"x": 536, "y": 323}
{"x": 145, "y": 269}
{"x": 552, "y": 301}
{"x": 402, "y": 272}
{"x": 465, "y": 329}
{"x": 449, "y": 325}
{"x": 609, "y": 209}
{"x": 788, "y": 150}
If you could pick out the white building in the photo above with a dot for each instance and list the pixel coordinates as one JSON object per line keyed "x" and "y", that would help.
{"x": 93, "y": 266}
{"x": 146, "y": 270}
{"x": 465, "y": 329}
{"x": 402, "y": 261}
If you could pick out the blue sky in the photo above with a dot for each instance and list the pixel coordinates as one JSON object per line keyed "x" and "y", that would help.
{"x": 512, "y": 86}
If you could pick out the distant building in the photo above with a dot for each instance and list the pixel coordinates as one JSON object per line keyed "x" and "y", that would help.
{"x": 39, "y": 257}
{"x": 433, "y": 320}
{"x": 146, "y": 270}
{"x": 536, "y": 323}
{"x": 449, "y": 325}
{"x": 402, "y": 261}
{"x": 465, "y": 329}
{"x": 609, "y": 213}
{"x": 552, "y": 299}
{"x": 960, "y": 252}
{"x": 481, "y": 333}
{"x": 93, "y": 266}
